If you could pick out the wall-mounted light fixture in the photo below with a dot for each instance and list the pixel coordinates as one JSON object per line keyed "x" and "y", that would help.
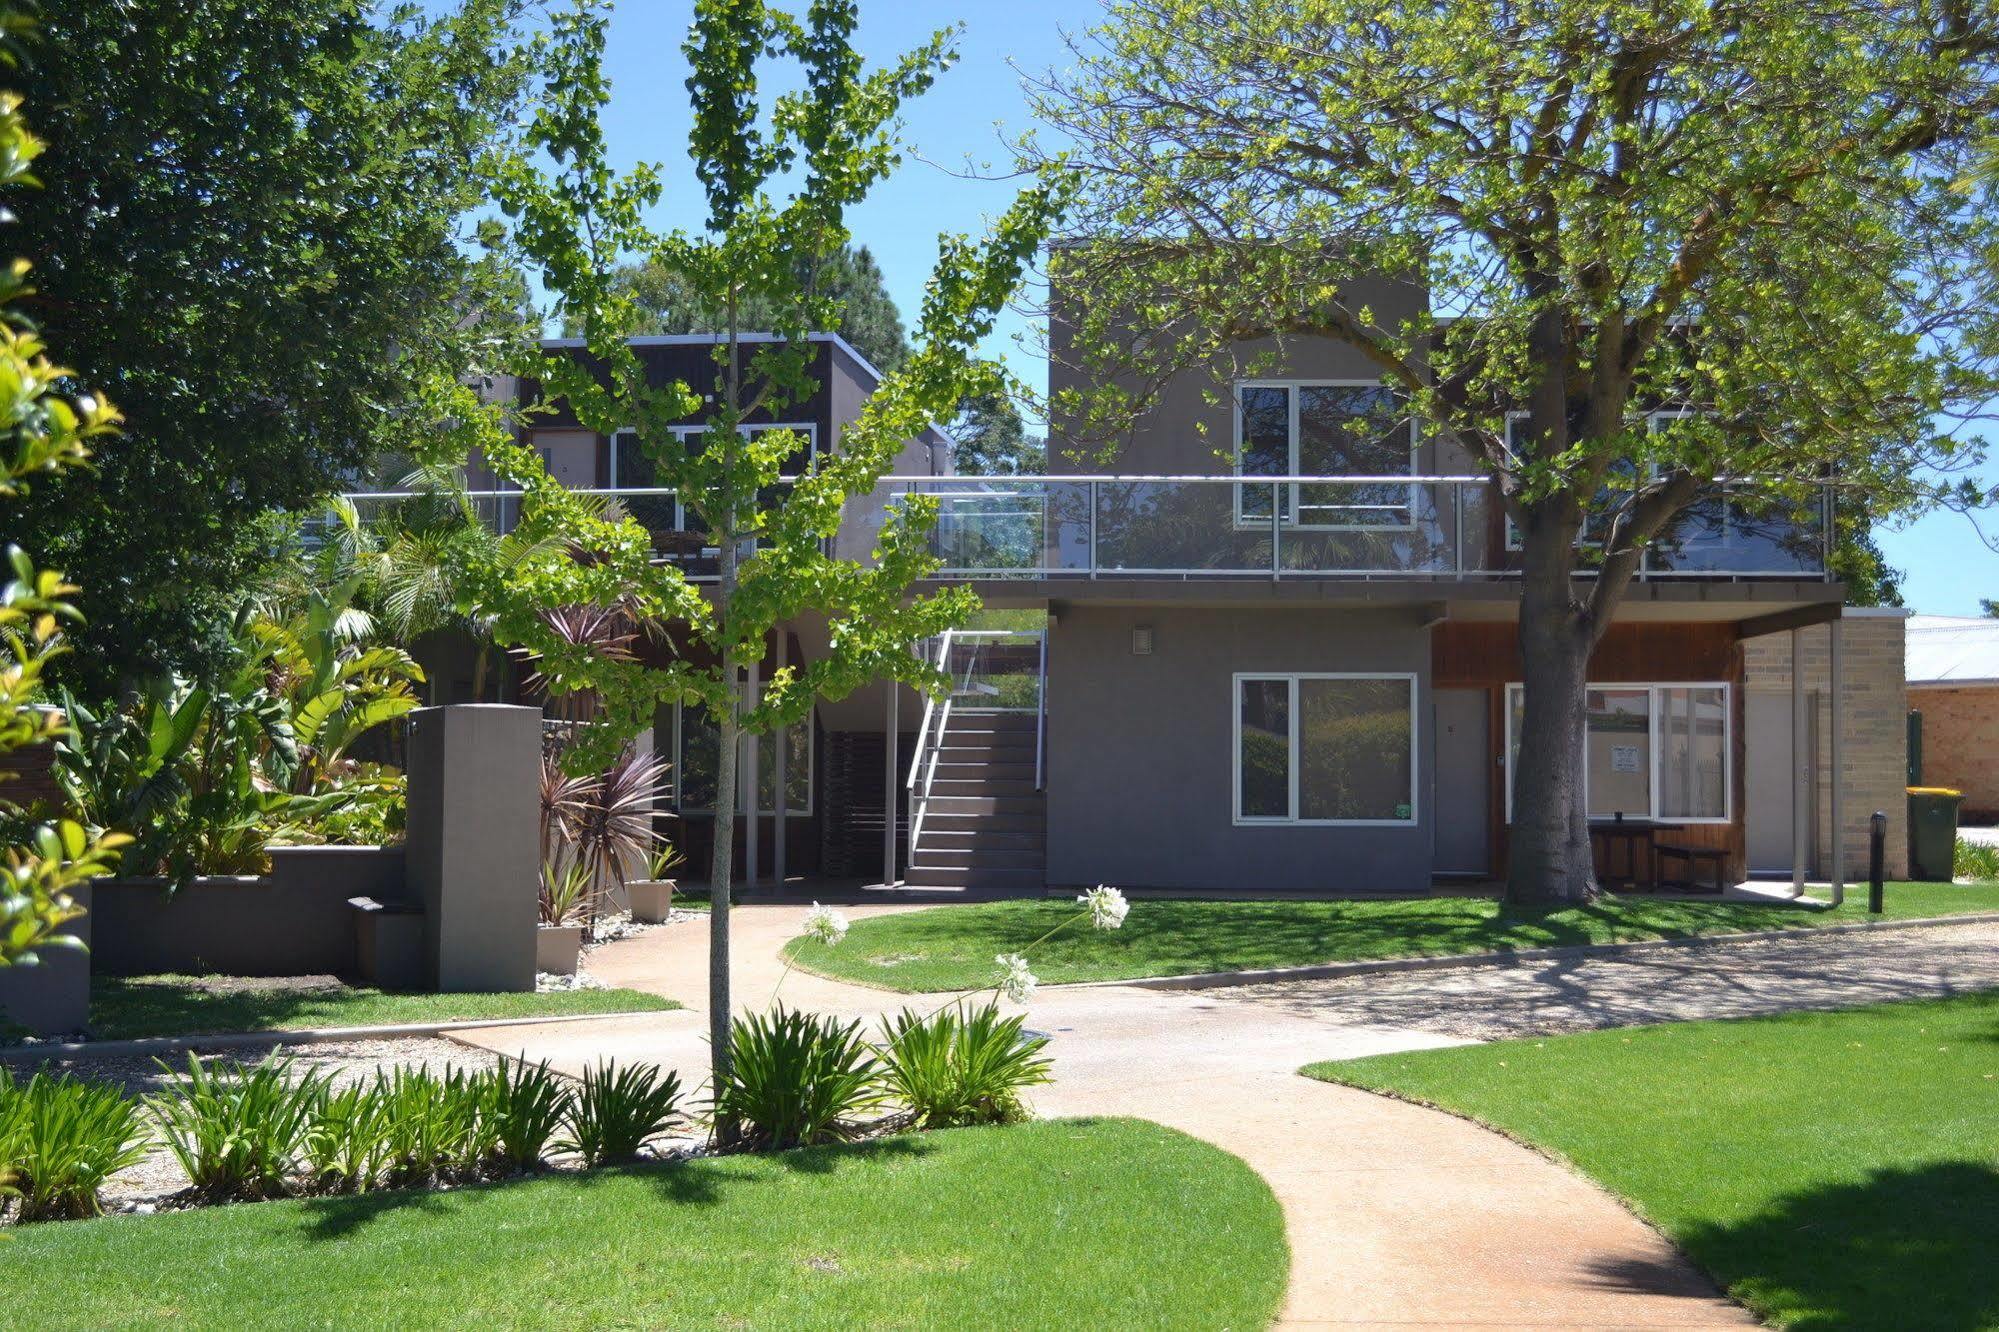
{"x": 1141, "y": 640}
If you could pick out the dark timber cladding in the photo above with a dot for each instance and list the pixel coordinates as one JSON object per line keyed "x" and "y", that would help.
{"x": 1487, "y": 656}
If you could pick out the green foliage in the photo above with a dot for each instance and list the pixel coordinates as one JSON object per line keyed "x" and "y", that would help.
{"x": 1585, "y": 211}
{"x": 64, "y": 1138}
{"x": 955, "y": 1069}
{"x": 434, "y": 1129}
{"x": 778, "y": 188}
{"x": 239, "y": 1133}
{"x": 992, "y": 440}
{"x": 43, "y": 432}
{"x": 867, "y": 316}
{"x": 797, "y": 1080}
{"x": 347, "y": 1143}
{"x": 523, "y": 1107}
{"x": 617, "y": 1109}
{"x": 205, "y": 775}
{"x": 836, "y": 142}
{"x": 1975, "y": 860}
{"x": 251, "y": 229}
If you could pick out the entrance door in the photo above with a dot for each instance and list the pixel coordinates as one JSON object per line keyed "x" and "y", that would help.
{"x": 1461, "y": 722}
{"x": 1768, "y": 778}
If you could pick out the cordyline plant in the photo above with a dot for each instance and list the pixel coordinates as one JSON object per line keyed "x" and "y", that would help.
{"x": 777, "y": 189}
{"x": 1690, "y": 241}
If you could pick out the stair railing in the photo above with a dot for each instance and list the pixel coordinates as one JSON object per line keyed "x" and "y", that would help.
{"x": 930, "y": 744}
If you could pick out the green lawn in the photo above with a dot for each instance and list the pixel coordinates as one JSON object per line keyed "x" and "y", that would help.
{"x": 1830, "y": 1170}
{"x": 125, "y": 1006}
{"x": 951, "y": 948}
{"x": 1060, "y": 1224}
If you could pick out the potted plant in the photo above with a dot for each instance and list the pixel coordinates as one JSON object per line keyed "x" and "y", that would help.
{"x": 652, "y": 896}
{"x": 565, "y": 907}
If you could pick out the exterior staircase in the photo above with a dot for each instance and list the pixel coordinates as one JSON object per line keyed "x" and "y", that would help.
{"x": 978, "y": 820}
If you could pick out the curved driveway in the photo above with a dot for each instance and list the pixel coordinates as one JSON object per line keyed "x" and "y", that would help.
{"x": 1397, "y": 1216}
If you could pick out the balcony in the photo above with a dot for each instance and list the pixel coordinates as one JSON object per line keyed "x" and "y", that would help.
{"x": 1202, "y": 527}
{"x": 1420, "y": 527}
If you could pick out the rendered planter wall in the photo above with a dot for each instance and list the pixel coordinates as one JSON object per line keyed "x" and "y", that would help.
{"x": 293, "y": 921}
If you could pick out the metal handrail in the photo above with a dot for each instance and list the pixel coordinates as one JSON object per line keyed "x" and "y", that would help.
{"x": 936, "y": 745}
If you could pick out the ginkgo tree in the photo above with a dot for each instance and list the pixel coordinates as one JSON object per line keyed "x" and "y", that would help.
{"x": 778, "y": 179}
{"x": 1681, "y": 242}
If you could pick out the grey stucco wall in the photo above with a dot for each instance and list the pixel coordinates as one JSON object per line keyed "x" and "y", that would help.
{"x": 472, "y": 855}
{"x": 294, "y": 921}
{"x": 1140, "y": 751}
{"x": 52, "y": 998}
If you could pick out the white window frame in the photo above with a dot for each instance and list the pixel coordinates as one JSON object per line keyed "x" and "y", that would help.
{"x": 1289, "y": 520}
{"x": 811, "y": 767}
{"x": 1653, "y": 689}
{"x": 1291, "y": 820}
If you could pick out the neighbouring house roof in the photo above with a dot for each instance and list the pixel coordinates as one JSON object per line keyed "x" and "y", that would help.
{"x": 1952, "y": 650}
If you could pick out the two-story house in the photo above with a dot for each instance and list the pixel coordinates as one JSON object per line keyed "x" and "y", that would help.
{"x": 1268, "y": 647}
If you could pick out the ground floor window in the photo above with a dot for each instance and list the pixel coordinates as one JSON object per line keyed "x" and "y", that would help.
{"x": 1658, "y": 751}
{"x": 1325, "y": 749}
{"x": 699, "y": 751}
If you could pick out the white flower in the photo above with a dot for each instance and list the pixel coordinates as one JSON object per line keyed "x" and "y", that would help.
{"x": 1016, "y": 981}
{"x": 1106, "y": 905}
{"x": 825, "y": 925}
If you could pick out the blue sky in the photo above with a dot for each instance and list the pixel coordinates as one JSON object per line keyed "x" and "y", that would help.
{"x": 1947, "y": 567}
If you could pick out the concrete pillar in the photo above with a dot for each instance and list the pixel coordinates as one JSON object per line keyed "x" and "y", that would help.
{"x": 52, "y": 998}
{"x": 781, "y": 765}
{"x": 891, "y": 741}
{"x": 1801, "y": 767}
{"x": 1836, "y": 722}
{"x": 751, "y": 804}
{"x": 473, "y": 816}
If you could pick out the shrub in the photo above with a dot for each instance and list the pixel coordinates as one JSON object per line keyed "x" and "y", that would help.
{"x": 1975, "y": 860}
{"x": 954, "y": 1069}
{"x": 63, "y": 1139}
{"x": 797, "y": 1079}
{"x": 523, "y": 1106}
{"x": 347, "y": 1145}
{"x": 617, "y": 1109}
{"x": 433, "y": 1123}
{"x": 238, "y": 1132}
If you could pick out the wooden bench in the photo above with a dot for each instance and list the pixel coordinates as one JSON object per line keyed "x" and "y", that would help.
{"x": 1692, "y": 856}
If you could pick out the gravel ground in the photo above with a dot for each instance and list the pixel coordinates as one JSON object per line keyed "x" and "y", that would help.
{"x": 1667, "y": 985}
{"x": 145, "y": 1185}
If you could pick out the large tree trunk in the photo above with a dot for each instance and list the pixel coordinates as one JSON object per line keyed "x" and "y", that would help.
{"x": 1548, "y": 855}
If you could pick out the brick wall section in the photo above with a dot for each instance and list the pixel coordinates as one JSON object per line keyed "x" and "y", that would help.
{"x": 1874, "y": 742}
{"x": 1961, "y": 744}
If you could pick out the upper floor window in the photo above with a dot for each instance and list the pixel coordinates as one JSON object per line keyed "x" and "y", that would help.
{"x": 632, "y": 470}
{"x": 1324, "y": 428}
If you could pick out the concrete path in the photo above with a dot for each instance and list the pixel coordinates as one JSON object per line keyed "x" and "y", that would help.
{"x": 1670, "y": 985}
{"x": 1397, "y": 1216}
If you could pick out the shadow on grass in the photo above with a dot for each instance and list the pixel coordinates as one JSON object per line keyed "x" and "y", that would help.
{"x": 696, "y": 1182}
{"x": 1910, "y": 1248}
{"x": 131, "y": 1007}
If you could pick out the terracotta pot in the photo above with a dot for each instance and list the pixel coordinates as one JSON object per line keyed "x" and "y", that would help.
{"x": 651, "y": 899}
{"x": 556, "y": 948}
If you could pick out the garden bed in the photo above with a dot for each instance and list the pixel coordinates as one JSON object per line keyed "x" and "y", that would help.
{"x": 952, "y": 948}
{"x": 1829, "y": 1170}
{"x": 1058, "y": 1224}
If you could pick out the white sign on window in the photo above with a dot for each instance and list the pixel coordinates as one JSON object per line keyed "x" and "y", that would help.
{"x": 1624, "y": 758}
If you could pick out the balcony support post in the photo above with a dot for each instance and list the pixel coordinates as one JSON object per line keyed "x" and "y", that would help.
{"x": 751, "y": 806}
{"x": 781, "y": 767}
{"x": 891, "y": 741}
